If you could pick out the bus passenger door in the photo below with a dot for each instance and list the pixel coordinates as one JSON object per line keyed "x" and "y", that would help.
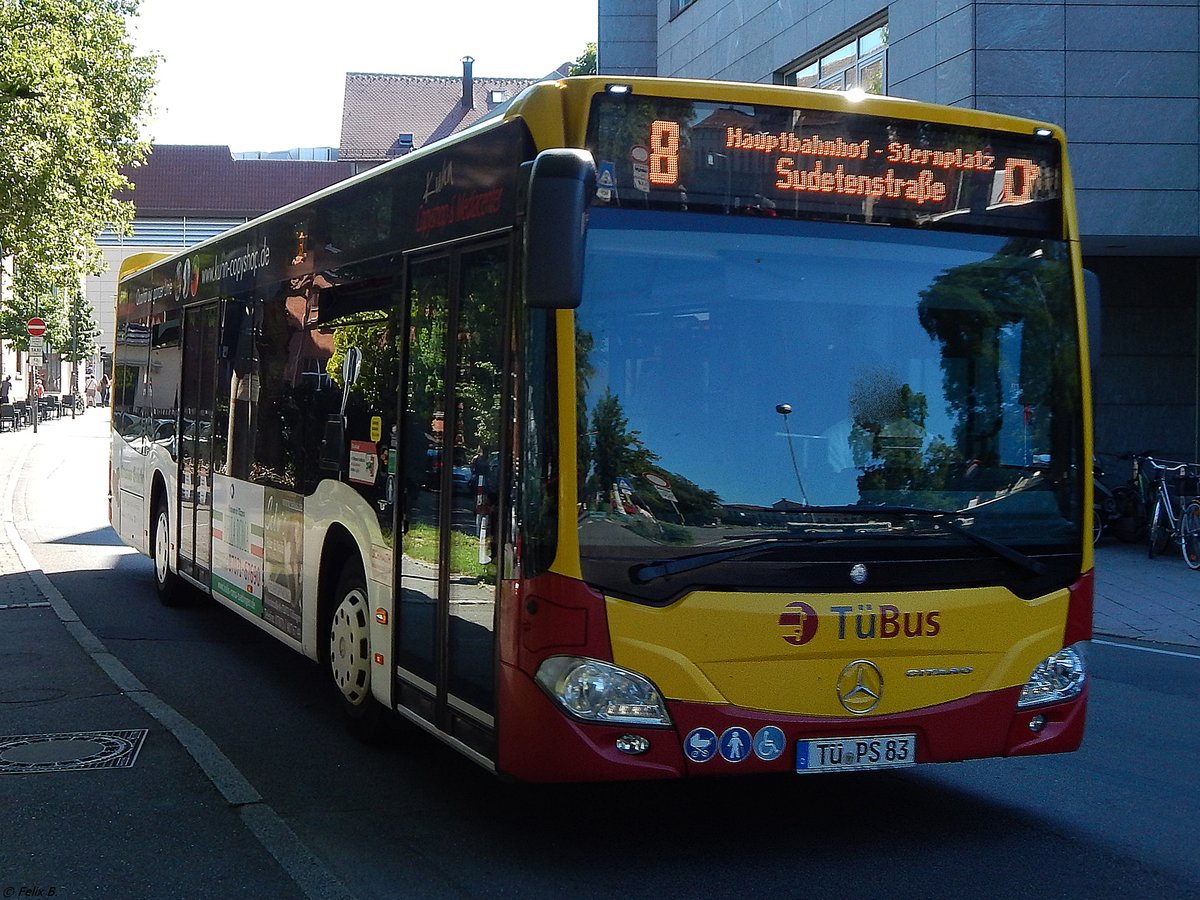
{"x": 197, "y": 399}
{"x": 452, "y": 428}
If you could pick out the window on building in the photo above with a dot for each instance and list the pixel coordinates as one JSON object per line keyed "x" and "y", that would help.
{"x": 678, "y": 6}
{"x": 855, "y": 60}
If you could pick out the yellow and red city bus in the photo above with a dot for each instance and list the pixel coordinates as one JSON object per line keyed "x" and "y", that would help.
{"x": 650, "y": 428}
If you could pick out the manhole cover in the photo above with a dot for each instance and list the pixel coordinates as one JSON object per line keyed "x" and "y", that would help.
{"x": 26, "y": 753}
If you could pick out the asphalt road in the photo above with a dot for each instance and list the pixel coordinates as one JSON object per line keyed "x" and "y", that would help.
{"x": 410, "y": 818}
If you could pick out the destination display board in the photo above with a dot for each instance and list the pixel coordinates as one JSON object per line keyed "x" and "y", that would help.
{"x": 654, "y": 152}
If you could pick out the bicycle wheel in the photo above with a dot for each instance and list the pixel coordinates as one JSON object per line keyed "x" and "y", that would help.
{"x": 1159, "y": 532}
{"x": 1189, "y": 531}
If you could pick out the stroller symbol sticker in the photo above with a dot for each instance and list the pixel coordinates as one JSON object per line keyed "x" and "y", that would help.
{"x": 700, "y": 745}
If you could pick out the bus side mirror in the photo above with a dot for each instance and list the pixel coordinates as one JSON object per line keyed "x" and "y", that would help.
{"x": 561, "y": 187}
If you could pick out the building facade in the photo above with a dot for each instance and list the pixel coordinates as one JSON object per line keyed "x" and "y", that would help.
{"x": 1122, "y": 78}
{"x": 386, "y": 116}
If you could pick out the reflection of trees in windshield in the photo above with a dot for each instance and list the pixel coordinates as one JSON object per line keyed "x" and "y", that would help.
{"x": 822, "y": 366}
{"x": 375, "y": 387}
{"x": 617, "y": 451}
{"x": 614, "y": 464}
{"x": 1003, "y": 323}
{"x": 888, "y": 438}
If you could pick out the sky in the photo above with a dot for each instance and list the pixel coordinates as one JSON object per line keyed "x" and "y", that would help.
{"x": 270, "y": 74}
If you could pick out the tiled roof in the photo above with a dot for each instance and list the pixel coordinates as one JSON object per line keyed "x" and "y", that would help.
{"x": 195, "y": 180}
{"x": 725, "y": 118}
{"x": 378, "y": 109}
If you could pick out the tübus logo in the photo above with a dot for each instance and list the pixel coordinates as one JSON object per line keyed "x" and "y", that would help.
{"x": 889, "y": 622}
{"x": 799, "y": 621}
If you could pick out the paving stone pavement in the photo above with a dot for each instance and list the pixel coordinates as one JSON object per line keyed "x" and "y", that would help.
{"x": 1139, "y": 598}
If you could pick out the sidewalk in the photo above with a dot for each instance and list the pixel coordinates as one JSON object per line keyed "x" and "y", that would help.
{"x": 106, "y": 790}
{"x": 1138, "y": 598}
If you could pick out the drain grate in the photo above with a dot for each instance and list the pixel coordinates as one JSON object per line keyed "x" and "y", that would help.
{"x": 70, "y": 751}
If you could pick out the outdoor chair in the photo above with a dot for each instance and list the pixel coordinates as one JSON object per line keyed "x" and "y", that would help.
{"x": 8, "y": 417}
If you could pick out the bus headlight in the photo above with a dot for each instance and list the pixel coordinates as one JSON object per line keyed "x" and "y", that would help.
{"x": 1058, "y": 677}
{"x": 597, "y": 691}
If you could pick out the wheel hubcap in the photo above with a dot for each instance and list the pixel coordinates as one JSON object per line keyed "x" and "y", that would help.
{"x": 348, "y": 648}
{"x": 161, "y": 542}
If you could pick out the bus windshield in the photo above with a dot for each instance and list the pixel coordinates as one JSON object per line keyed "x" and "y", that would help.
{"x": 763, "y": 390}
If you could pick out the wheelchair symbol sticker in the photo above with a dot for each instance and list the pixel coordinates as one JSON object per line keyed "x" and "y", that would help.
{"x": 769, "y": 743}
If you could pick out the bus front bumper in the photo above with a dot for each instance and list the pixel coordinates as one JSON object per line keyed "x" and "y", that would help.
{"x": 538, "y": 742}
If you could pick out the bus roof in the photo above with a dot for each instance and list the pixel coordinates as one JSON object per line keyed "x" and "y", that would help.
{"x": 556, "y": 113}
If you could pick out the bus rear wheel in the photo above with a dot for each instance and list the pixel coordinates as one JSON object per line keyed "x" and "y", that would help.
{"x": 166, "y": 582}
{"x": 350, "y": 655}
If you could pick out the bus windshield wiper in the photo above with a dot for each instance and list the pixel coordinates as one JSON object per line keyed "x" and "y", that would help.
{"x": 644, "y": 573}
{"x": 947, "y": 519}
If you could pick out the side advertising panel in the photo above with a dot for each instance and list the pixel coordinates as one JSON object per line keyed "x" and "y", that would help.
{"x": 257, "y": 551}
{"x": 283, "y": 561}
{"x": 238, "y": 545}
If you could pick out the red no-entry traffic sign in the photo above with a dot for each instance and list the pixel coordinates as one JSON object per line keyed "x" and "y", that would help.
{"x": 36, "y": 326}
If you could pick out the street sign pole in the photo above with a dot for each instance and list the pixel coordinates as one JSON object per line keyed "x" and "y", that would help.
{"x": 74, "y": 365}
{"x": 36, "y": 328}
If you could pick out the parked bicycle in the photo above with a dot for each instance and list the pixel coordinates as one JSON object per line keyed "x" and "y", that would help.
{"x": 1106, "y": 510}
{"x": 1175, "y": 515}
{"x": 1121, "y": 510}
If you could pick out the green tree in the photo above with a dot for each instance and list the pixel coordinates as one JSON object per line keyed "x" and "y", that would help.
{"x": 78, "y": 340}
{"x": 585, "y": 63}
{"x": 19, "y": 308}
{"x": 73, "y": 95}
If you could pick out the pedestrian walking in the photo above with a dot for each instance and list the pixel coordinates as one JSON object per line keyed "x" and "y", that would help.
{"x": 6, "y": 389}
{"x": 89, "y": 389}
{"x": 105, "y": 384}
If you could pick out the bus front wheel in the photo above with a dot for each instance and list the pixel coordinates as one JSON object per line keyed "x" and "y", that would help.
{"x": 350, "y": 655}
{"x": 166, "y": 582}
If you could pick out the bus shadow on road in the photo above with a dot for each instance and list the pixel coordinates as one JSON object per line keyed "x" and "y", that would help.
{"x": 97, "y": 537}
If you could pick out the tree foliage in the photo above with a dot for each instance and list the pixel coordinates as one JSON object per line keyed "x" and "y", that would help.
{"x": 73, "y": 95}
{"x": 585, "y": 63}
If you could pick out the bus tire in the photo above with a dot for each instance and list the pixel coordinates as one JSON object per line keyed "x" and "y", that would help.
{"x": 166, "y": 582}
{"x": 349, "y": 658}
